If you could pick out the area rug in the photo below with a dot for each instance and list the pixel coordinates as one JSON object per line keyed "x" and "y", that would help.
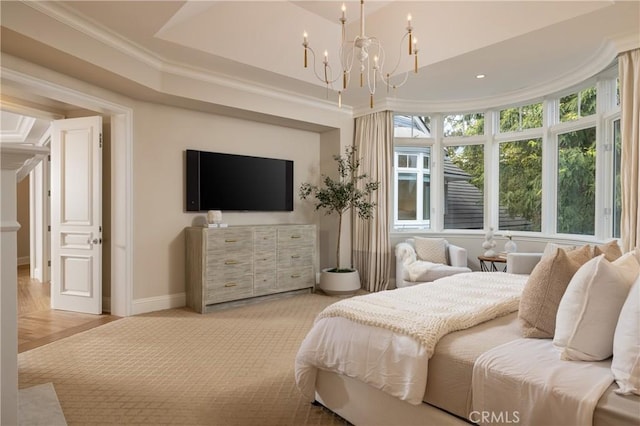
{"x": 232, "y": 367}
{"x": 39, "y": 406}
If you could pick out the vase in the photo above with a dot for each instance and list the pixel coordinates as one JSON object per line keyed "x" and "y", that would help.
{"x": 510, "y": 246}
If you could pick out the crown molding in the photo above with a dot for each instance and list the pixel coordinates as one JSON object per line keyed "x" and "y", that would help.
{"x": 20, "y": 133}
{"x": 98, "y": 32}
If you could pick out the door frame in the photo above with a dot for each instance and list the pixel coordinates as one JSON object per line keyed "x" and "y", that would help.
{"x": 121, "y": 122}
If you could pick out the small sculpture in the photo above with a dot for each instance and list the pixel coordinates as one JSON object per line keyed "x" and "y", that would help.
{"x": 214, "y": 217}
{"x": 489, "y": 243}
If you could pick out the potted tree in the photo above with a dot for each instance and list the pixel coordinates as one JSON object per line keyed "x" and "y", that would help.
{"x": 337, "y": 196}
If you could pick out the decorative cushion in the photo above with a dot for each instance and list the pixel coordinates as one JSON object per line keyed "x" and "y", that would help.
{"x": 626, "y": 344}
{"x": 544, "y": 290}
{"x": 590, "y": 308}
{"x": 611, "y": 250}
{"x": 431, "y": 249}
{"x": 551, "y": 248}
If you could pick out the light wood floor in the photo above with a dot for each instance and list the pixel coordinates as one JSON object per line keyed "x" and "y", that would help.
{"x": 38, "y": 324}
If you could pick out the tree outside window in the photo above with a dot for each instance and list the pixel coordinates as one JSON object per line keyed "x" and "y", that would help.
{"x": 521, "y": 185}
{"x": 576, "y": 182}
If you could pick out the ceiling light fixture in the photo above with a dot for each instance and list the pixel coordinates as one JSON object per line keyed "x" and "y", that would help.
{"x": 367, "y": 54}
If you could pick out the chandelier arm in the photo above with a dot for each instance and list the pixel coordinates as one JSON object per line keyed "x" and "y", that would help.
{"x": 328, "y": 81}
{"x": 402, "y": 40}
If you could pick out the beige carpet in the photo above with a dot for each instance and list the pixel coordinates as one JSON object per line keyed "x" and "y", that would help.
{"x": 233, "y": 367}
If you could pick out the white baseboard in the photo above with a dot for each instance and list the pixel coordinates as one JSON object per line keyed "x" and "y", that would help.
{"x": 159, "y": 303}
{"x": 24, "y": 260}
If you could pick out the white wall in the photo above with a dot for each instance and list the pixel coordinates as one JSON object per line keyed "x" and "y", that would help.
{"x": 161, "y": 135}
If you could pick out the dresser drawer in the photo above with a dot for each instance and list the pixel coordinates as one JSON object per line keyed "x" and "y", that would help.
{"x": 265, "y": 261}
{"x": 288, "y": 258}
{"x": 295, "y": 278}
{"x": 230, "y": 289}
{"x": 220, "y": 241}
{"x": 229, "y": 263}
{"x": 296, "y": 236}
{"x": 264, "y": 283}
{"x": 264, "y": 240}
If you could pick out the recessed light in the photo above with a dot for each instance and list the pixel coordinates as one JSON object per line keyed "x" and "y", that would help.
{"x": 480, "y": 76}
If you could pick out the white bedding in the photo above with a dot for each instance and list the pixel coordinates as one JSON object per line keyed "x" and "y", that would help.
{"x": 525, "y": 381}
{"x": 386, "y": 339}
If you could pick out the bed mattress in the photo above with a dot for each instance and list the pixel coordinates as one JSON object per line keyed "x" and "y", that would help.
{"x": 451, "y": 369}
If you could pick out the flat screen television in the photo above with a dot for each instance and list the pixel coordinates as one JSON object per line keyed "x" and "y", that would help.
{"x": 218, "y": 181}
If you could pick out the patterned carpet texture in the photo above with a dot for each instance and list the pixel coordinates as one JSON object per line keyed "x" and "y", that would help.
{"x": 231, "y": 367}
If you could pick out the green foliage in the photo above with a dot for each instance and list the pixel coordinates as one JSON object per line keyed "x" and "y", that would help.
{"x": 469, "y": 158}
{"x": 524, "y": 117}
{"x": 344, "y": 193}
{"x": 464, "y": 125}
{"x": 576, "y": 182}
{"x": 521, "y": 180}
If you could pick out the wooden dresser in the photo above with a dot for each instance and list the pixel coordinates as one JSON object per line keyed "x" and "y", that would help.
{"x": 247, "y": 262}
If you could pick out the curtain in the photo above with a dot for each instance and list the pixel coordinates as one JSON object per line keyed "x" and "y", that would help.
{"x": 372, "y": 255}
{"x": 629, "y": 69}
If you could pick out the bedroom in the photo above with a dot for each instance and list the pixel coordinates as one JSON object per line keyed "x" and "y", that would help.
{"x": 151, "y": 284}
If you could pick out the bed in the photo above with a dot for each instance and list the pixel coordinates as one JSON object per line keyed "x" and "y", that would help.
{"x": 447, "y": 398}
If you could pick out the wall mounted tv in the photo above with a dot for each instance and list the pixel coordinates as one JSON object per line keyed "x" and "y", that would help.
{"x": 217, "y": 181}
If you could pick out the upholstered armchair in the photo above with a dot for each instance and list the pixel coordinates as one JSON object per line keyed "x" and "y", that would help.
{"x": 435, "y": 258}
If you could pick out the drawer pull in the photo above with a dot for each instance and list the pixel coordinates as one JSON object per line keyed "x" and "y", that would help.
{"x": 230, "y": 241}
{"x": 296, "y": 236}
{"x": 295, "y": 276}
{"x": 230, "y": 262}
{"x": 295, "y": 256}
{"x": 231, "y": 285}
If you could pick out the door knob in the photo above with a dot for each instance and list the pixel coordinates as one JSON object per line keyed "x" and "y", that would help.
{"x": 96, "y": 241}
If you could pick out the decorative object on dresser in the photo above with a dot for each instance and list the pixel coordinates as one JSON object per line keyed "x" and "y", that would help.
{"x": 338, "y": 196}
{"x": 214, "y": 218}
{"x": 247, "y": 262}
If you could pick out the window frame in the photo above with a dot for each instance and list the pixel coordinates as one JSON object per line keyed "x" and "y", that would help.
{"x": 607, "y": 112}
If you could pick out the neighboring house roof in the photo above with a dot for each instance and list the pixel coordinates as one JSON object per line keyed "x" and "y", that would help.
{"x": 465, "y": 203}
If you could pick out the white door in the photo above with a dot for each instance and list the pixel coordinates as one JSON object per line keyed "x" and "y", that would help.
{"x": 76, "y": 215}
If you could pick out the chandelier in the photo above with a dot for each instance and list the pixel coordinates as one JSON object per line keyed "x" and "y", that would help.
{"x": 367, "y": 55}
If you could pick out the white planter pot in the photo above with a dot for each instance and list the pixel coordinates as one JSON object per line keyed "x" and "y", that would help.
{"x": 339, "y": 283}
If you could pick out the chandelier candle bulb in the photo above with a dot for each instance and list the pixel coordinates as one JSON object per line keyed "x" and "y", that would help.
{"x": 344, "y": 9}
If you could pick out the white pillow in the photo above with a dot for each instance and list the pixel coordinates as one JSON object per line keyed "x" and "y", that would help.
{"x": 431, "y": 249}
{"x": 590, "y": 307}
{"x": 626, "y": 344}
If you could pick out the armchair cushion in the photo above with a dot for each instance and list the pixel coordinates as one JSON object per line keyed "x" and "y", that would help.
{"x": 431, "y": 249}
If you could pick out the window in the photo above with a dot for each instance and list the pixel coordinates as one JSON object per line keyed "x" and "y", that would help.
{"x": 411, "y": 126}
{"x": 520, "y": 174}
{"x": 464, "y": 125}
{"x": 577, "y": 105}
{"x": 413, "y": 187}
{"x": 617, "y": 188}
{"x": 521, "y": 118}
{"x": 576, "y": 182}
{"x": 464, "y": 187}
{"x": 521, "y": 142}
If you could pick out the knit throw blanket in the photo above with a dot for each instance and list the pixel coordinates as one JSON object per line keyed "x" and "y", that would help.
{"x": 429, "y": 311}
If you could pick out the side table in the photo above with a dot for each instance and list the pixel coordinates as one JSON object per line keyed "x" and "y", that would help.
{"x": 489, "y": 264}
